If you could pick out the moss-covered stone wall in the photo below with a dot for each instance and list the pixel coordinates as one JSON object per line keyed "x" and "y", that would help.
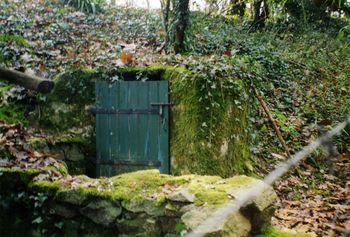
{"x": 144, "y": 203}
{"x": 208, "y": 120}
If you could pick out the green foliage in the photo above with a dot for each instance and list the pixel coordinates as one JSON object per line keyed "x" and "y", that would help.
{"x": 179, "y": 228}
{"x": 209, "y": 34}
{"x": 302, "y": 73}
{"x": 2, "y": 58}
{"x": 19, "y": 40}
{"x": 307, "y": 11}
{"x": 89, "y": 6}
{"x": 76, "y": 87}
{"x": 344, "y": 35}
{"x": 13, "y": 114}
{"x": 8, "y": 47}
{"x": 138, "y": 25}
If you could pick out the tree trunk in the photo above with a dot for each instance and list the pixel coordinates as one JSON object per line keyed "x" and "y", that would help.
{"x": 261, "y": 13}
{"x": 237, "y": 7}
{"x": 165, "y": 5}
{"x": 180, "y": 23}
{"x": 27, "y": 81}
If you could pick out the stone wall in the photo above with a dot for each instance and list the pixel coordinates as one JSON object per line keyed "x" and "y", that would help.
{"x": 143, "y": 203}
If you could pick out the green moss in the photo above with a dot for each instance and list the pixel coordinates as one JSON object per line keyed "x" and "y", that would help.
{"x": 37, "y": 143}
{"x": 143, "y": 183}
{"x": 272, "y": 232}
{"x": 209, "y": 124}
{"x": 12, "y": 180}
{"x": 44, "y": 186}
{"x": 19, "y": 40}
{"x": 4, "y": 88}
{"x": 24, "y": 175}
{"x": 141, "y": 191}
{"x": 212, "y": 190}
{"x": 13, "y": 113}
{"x": 2, "y": 58}
{"x": 62, "y": 169}
{"x": 10, "y": 111}
{"x": 70, "y": 140}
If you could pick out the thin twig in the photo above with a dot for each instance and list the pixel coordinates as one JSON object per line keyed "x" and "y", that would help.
{"x": 272, "y": 120}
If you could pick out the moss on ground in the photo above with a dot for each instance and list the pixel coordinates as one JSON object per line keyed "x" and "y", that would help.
{"x": 272, "y": 232}
{"x": 2, "y": 58}
{"x": 19, "y": 40}
{"x": 13, "y": 113}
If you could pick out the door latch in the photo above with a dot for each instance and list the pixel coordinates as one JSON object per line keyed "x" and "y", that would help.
{"x": 161, "y": 107}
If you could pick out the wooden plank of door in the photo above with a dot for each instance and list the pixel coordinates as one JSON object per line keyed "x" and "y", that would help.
{"x": 143, "y": 122}
{"x": 98, "y": 125}
{"x": 123, "y": 125}
{"x": 103, "y": 129}
{"x": 153, "y": 122}
{"x": 163, "y": 145}
{"x": 133, "y": 119}
{"x": 114, "y": 124}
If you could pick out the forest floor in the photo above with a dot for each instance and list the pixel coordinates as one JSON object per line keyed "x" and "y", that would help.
{"x": 45, "y": 40}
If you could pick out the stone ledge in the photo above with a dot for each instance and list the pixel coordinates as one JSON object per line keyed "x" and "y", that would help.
{"x": 147, "y": 203}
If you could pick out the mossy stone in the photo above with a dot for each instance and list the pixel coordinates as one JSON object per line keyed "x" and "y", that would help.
{"x": 235, "y": 225}
{"x": 64, "y": 210}
{"x": 102, "y": 212}
{"x": 73, "y": 197}
{"x": 138, "y": 205}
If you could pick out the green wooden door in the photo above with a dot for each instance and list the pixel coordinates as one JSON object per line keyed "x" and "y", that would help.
{"x": 132, "y": 126}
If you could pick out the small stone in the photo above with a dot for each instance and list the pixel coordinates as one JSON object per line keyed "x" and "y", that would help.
{"x": 235, "y": 225}
{"x": 71, "y": 197}
{"x": 73, "y": 153}
{"x": 262, "y": 201}
{"x": 260, "y": 210}
{"x": 182, "y": 195}
{"x": 188, "y": 208}
{"x": 173, "y": 210}
{"x": 195, "y": 216}
{"x": 101, "y": 212}
{"x": 148, "y": 206}
{"x": 64, "y": 211}
{"x": 138, "y": 225}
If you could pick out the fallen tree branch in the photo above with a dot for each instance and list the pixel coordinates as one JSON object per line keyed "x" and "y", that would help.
{"x": 273, "y": 122}
{"x": 27, "y": 81}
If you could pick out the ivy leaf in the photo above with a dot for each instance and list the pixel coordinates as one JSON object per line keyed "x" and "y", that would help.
{"x": 37, "y": 220}
{"x": 59, "y": 225}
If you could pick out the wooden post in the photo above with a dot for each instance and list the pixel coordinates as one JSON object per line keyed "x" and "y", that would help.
{"x": 27, "y": 81}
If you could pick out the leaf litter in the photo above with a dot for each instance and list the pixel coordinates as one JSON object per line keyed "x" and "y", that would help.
{"x": 57, "y": 40}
